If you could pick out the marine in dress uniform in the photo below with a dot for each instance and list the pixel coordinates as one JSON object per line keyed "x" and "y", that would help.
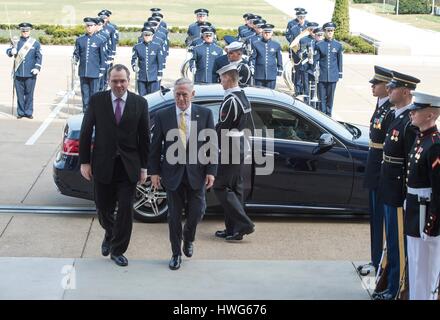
{"x": 147, "y": 62}
{"x": 397, "y": 145}
{"x": 294, "y": 29}
{"x": 266, "y": 59}
{"x": 234, "y": 118}
{"x": 379, "y": 124}
{"x": 27, "y": 64}
{"x": 90, "y": 53}
{"x": 194, "y": 29}
{"x": 306, "y": 67}
{"x": 234, "y": 54}
{"x": 422, "y": 215}
{"x": 329, "y": 56}
{"x": 204, "y": 55}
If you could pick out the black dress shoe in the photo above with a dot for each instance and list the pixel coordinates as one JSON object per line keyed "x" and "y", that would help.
{"x": 120, "y": 260}
{"x": 105, "y": 248}
{"x": 239, "y": 235}
{"x": 188, "y": 248}
{"x": 30, "y": 117}
{"x": 383, "y": 295}
{"x": 19, "y": 117}
{"x": 221, "y": 234}
{"x": 175, "y": 262}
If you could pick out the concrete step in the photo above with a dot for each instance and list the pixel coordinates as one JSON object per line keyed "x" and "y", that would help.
{"x": 71, "y": 279}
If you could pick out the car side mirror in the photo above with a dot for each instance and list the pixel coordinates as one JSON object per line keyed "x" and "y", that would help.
{"x": 326, "y": 142}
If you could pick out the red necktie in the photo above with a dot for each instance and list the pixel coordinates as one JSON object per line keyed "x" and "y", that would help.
{"x": 118, "y": 114}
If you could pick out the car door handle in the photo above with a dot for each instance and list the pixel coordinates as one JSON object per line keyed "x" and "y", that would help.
{"x": 270, "y": 153}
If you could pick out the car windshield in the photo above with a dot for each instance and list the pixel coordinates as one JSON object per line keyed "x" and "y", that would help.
{"x": 341, "y": 130}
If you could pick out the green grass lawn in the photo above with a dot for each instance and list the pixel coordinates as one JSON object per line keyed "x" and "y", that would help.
{"x": 423, "y": 21}
{"x": 224, "y": 14}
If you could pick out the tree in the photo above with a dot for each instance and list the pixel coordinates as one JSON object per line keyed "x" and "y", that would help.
{"x": 341, "y": 18}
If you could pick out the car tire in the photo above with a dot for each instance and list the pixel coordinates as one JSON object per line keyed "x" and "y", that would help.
{"x": 150, "y": 205}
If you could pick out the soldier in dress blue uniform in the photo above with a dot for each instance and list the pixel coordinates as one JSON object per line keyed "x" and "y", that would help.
{"x": 306, "y": 53}
{"x": 105, "y": 38}
{"x": 234, "y": 53}
{"x": 204, "y": 56}
{"x": 422, "y": 214}
{"x": 397, "y": 145}
{"x": 199, "y": 41}
{"x": 379, "y": 124}
{"x": 160, "y": 33}
{"x": 194, "y": 29}
{"x": 27, "y": 64}
{"x": 256, "y": 36}
{"x": 156, "y": 12}
{"x": 329, "y": 56}
{"x": 266, "y": 59}
{"x": 111, "y": 29}
{"x": 294, "y": 22}
{"x": 246, "y": 30}
{"x": 147, "y": 62}
{"x": 294, "y": 29}
{"x": 90, "y": 53}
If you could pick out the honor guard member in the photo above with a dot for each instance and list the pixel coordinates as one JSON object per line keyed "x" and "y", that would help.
{"x": 379, "y": 124}
{"x": 295, "y": 21}
{"x": 194, "y": 30}
{"x": 256, "y": 36}
{"x": 111, "y": 29}
{"x": 307, "y": 67}
{"x": 292, "y": 33}
{"x": 234, "y": 53}
{"x": 105, "y": 38}
{"x": 397, "y": 145}
{"x": 329, "y": 56}
{"x": 156, "y": 12}
{"x": 204, "y": 56}
{"x": 147, "y": 62}
{"x": 422, "y": 215}
{"x": 90, "y": 53}
{"x": 246, "y": 30}
{"x": 199, "y": 40}
{"x": 234, "y": 118}
{"x": 27, "y": 64}
{"x": 160, "y": 33}
{"x": 266, "y": 59}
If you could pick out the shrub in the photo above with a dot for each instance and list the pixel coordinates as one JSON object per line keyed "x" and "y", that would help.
{"x": 341, "y": 18}
{"x": 414, "y": 6}
{"x": 364, "y": 1}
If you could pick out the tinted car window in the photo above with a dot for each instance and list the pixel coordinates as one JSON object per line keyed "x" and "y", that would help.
{"x": 286, "y": 124}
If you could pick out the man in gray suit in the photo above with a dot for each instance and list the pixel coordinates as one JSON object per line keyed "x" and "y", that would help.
{"x": 188, "y": 167}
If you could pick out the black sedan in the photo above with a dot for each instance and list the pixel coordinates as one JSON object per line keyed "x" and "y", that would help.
{"x": 319, "y": 163}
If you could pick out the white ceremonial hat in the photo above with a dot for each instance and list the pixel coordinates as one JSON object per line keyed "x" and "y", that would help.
{"x": 228, "y": 67}
{"x": 424, "y": 100}
{"x": 233, "y": 46}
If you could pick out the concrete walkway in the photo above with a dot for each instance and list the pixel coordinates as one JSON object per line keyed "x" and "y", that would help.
{"x": 72, "y": 279}
{"x": 395, "y": 38}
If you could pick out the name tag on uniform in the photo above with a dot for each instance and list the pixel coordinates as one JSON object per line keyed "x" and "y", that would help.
{"x": 334, "y": 50}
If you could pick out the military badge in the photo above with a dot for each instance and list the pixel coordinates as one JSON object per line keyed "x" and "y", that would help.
{"x": 395, "y": 135}
{"x": 214, "y": 53}
{"x": 152, "y": 53}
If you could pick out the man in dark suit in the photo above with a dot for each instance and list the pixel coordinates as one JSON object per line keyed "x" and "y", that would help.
{"x": 187, "y": 169}
{"x": 119, "y": 159}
